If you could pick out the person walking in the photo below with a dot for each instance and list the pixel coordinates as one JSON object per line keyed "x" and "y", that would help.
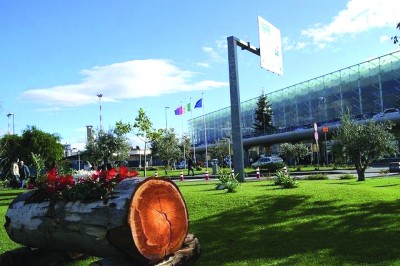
{"x": 190, "y": 166}
{"x": 24, "y": 173}
{"x": 15, "y": 173}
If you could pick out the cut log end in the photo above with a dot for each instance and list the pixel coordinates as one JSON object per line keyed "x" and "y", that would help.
{"x": 158, "y": 218}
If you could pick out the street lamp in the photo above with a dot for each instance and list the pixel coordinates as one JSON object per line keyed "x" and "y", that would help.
{"x": 8, "y": 115}
{"x": 100, "y": 95}
{"x": 166, "y": 121}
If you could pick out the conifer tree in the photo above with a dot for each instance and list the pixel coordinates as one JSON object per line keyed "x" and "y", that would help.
{"x": 263, "y": 116}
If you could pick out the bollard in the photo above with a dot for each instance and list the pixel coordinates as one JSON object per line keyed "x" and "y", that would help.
{"x": 258, "y": 172}
{"x": 156, "y": 174}
{"x": 233, "y": 173}
{"x": 207, "y": 175}
{"x": 182, "y": 178}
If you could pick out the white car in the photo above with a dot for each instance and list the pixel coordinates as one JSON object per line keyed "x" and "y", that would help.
{"x": 387, "y": 114}
{"x": 266, "y": 160}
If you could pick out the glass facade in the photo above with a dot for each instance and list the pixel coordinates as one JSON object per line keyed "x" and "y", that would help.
{"x": 363, "y": 89}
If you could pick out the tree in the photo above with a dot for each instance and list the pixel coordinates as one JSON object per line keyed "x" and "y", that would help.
{"x": 294, "y": 151}
{"x": 48, "y": 146}
{"x": 364, "y": 142}
{"x": 185, "y": 145}
{"x": 32, "y": 140}
{"x": 221, "y": 149}
{"x": 144, "y": 130}
{"x": 10, "y": 146}
{"x": 166, "y": 147}
{"x": 108, "y": 145}
{"x": 263, "y": 115}
{"x": 396, "y": 38}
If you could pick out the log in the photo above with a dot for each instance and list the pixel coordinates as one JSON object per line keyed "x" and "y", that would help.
{"x": 144, "y": 221}
{"x": 187, "y": 255}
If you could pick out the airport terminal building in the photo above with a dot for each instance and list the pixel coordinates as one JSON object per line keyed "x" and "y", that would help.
{"x": 364, "y": 90}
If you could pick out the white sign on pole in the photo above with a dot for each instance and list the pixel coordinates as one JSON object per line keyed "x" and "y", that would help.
{"x": 270, "y": 46}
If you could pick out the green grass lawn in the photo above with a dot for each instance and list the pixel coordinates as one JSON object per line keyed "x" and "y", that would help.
{"x": 328, "y": 222}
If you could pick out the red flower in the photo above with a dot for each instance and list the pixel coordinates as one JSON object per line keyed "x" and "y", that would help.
{"x": 52, "y": 175}
{"x": 133, "y": 173}
{"x": 123, "y": 171}
{"x": 109, "y": 174}
{"x": 95, "y": 176}
{"x": 67, "y": 180}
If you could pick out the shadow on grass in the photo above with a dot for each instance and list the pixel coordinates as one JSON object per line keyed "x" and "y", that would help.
{"x": 286, "y": 229}
{"x": 391, "y": 185}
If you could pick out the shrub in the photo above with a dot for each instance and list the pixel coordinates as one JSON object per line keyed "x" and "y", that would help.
{"x": 284, "y": 180}
{"x": 346, "y": 176}
{"x": 317, "y": 177}
{"x": 228, "y": 181}
{"x": 384, "y": 171}
{"x": 5, "y": 183}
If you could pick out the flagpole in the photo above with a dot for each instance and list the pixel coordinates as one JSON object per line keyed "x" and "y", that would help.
{"x": 183, "y": 144}
{"x": 205, "y": 130}
{"x": 192, "y": 131}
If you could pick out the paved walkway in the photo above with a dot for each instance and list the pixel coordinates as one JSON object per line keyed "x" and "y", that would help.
{"x": 371, "y": 172}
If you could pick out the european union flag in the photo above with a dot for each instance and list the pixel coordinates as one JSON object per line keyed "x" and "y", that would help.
{"x": 199, "y": 103}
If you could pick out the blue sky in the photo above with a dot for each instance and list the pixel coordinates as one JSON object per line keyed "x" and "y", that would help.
{"x": 56, "y": 56}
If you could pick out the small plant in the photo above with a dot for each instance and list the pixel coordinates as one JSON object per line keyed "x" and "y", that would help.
{"x": 384, "y": 171}
{"x": 5, "y": 183}
{"x": 317, "y": 177}
{"x": 228, "y": 181}
{"x": 284, "y": 180}
{"x": 346, "y": 176}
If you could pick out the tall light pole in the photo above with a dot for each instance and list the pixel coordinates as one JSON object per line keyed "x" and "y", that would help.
{"x": 8, "y": 115}
{"x": 100, "y": 95}
{"x": 166, "y": 120}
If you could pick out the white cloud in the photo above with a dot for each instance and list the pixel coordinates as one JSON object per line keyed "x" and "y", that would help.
{"x": 383, "y": 38}
{"x": 48, "y": 110}
{"x": 215, "y": 54}
{"x": 359, "y": 16}
{"x": 126, "y": 80}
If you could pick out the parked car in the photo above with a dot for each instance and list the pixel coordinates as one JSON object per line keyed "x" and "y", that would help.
{"x": 387, "y": 114}
{"x": 181, "y": 165}
{"x": 267, "y": 160}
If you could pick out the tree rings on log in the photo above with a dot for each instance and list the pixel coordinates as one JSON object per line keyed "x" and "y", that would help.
{"x": 158, "y": 219}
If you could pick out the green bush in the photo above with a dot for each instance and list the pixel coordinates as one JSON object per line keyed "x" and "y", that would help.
{"x": 384, "y": 172}
{"x": 317, "y": 177}
{"x": 284, "y": 180}
{"x": 273, "y": 167}
{"x": 228, "y": 181}
{"x": 5, "y": 183}
{"x": 346, "y": 176}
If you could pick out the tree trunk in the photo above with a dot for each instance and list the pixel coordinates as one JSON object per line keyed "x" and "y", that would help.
{"x": 360, "y": 174}
{"x": 145, "y": 221}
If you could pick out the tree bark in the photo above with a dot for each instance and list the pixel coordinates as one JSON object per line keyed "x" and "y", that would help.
{"x": 361, "y": 175}
{"x": 145, "y": 221}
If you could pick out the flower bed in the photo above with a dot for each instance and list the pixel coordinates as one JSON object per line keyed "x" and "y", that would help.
{"x": 84, "y": 185}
